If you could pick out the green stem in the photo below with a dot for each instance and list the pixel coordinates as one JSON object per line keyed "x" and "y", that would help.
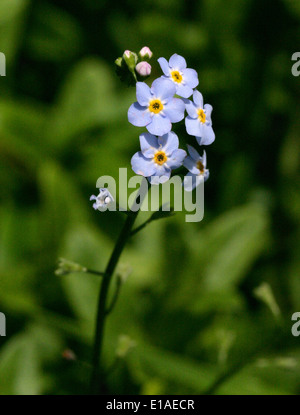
{"x": 139, "y": 228}
{"x": 115, "y": 297}
{"x": 91, "y": 271}
{"x": 102, "y": 311}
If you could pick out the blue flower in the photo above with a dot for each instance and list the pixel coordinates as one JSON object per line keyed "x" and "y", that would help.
{"x": 158, "y": 156}
{"x": 197, "y": 169}
{"x": 185, "y": 79}
{"x": 103, "y": 199}
{"x": 156, "y": 108}
{"x": 198, "y": 122}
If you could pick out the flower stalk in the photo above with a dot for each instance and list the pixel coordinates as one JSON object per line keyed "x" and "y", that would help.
{"x": 157, "y": 108}
{"x": 97, "y": 370}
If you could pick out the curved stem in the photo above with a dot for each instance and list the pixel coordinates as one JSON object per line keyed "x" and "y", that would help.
{"x": 101, "y": 313}
{"x": 115, "y": 297}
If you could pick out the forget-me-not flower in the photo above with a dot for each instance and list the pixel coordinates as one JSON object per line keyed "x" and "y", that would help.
{"x": 156, "y": 108}
{"x": 197, "y": 169}
{"x": 158, "y": 156}
{"x": 185, "y": 79}
{"x": 198, "y": 122}
{"x": 103, "y": 199}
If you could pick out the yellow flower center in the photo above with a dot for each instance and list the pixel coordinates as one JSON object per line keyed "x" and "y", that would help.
{"x": 155, "y": 106}
{"x": 200, "y": 167}
{"x": 176, "y": 76}
{"x": 201, "y": 115}
{"x": 160, "y": 157}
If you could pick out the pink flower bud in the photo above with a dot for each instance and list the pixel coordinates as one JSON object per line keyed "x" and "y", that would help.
{"x": 143, "y": 68}
{"x": 127, "y": 53}
{"x": 130, "y": 59}
{"x": 145, "y": 52}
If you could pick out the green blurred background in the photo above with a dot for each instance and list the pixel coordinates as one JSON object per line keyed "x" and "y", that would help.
{"x": 208, "y": 304}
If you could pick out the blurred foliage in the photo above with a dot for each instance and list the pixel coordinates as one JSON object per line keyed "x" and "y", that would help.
{"x": 193, "y": 306}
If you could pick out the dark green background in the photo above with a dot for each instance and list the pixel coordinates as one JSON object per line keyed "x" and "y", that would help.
{"x": 190, "y": 303}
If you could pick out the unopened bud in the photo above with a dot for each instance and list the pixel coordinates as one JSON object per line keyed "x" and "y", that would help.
{"x": 67, "y": 267}
{"x": 107, "y": 200}
{"x": 127, "y": 53}
{"x": 145, "y": 53}
{"x": 130, "y": 59}
{"x": 118, "y": 62}
{"x": 143, "y": 68}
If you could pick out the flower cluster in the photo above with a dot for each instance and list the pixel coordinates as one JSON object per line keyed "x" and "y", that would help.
{"x": 66, "y": 267}
{"x": 157, "y": 108}
{"x": 132, "y": 67}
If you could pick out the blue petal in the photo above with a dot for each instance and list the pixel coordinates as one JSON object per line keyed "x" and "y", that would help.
{"x": 164, "y": 66}
{"x": 184, "y": 91}
{"x": 149, "y": 145}
{"x": 189, "y": 182}
{"x": 207, "y": 136}
{"x": 138, "y": 115}
{"x": 198, "y": 99}
{"x": 190, "y": 164}
{"x": 208, "y": 109}
{"x": 203, "y": 159}
{"x": 157, "y": 179}
{"x": 153, "y": 180}
{"x": 141, "y": 165}
{"x": 191, "y": 108}
{"x": 161, "y": 170}
{"x": 164, "y": 178}
{"x": 190, "y": 77}
{"x": 169, "y": 142}
{"x": 177, "y": 62}
{"x": 160, "y": 125}
{"x": 193, "y": 127}
{"x": 174, "y": 110}
{"x": 206, "y": 175}
{"x": 193, "y": 153}
{"x": 143, "y": 93}
{"x": 199, "y": 140}
{"x": 176, "y": 159}
{"x": 163, "y": 89}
